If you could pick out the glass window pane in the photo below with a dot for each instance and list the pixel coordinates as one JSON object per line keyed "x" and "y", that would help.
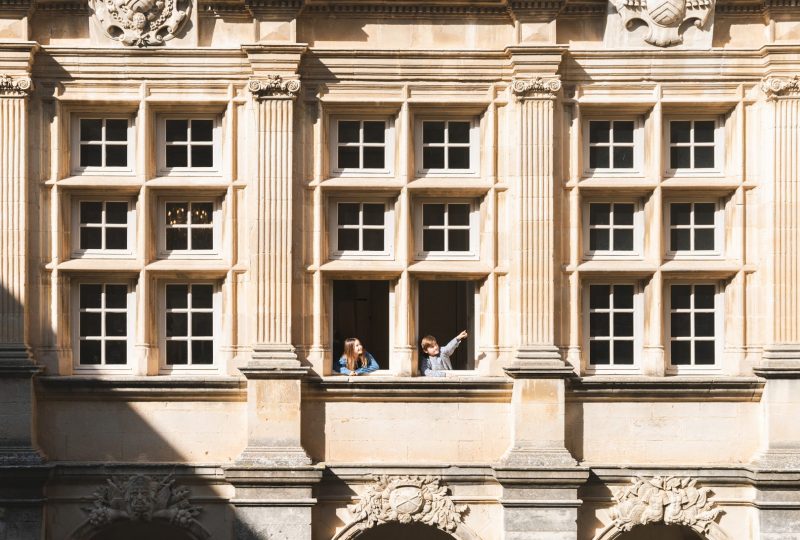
{"x": 623, "y": 132}
{"x": 116, "y": 155}
{"x": 433, "y": 132}
{"x": 202, "y": 213}
{"x": 203, "y": 239}
{"x": 347, "y": 240}
{"x": 623, "y": 352}
{"x": 599, "y": 157}
{"x": 202, "y": 296}
{"x": 202, "y": 352}
{"x": 348, "y": 131}
{"x": 116, "y": 296}
{"x": 704, "y": 213}
{"x": 433, "y": 240}
{"x": 117, "y": 212}
{"x": 89, "y": 352}
{"x": 623, "y": 240}
{"x": 202, "y": 324}
{"x": 202, "y": 130}
{"x": 348, "y": 213}
{"x": 177, "y": 324}
{"x": 680, "y": 131}
{"x": 116, "y": 324}
{"x": 91, "y": 129}
{"x": 91, "y": 238}
{"x": 373, "y": 240}
{"x": 432, "y": 214}
{"x": 704, "y": 157}
{"x": 90, "y": 296}
{"x": 599, "y": 131}
{"x": 348, "y": 157}
{"x": 374, "y": 132}
{"x": 177, "y": 239}
{"x": 681, "y": 353}
{"x": 680, "y": 296}
{"x": 680, "y": 240}
{"x": 91, "y": 155}
{"x": 458, "y": 214}
{"x": 176, "y": 296}
{"x": 704, "y": 296}
{"x": 704, "y": 324}
{"x": 116, "y": 130}
{"x": 116, "y": 238}
{"x": 679, "y": 157}
{"x": 623, "y": 157}
{"x": 177, "y": 156}
{"x": 704, "y": 353}
{"x": 91, "y": 212}
{"x": 202, "y": 156}
{"x": 704, "y": 239}
{"x": 623, "y": 214}
{"x": 680, "y": 213}
{"x": 623, "y": 324}
{"x": 433, "y": 158}
{"x": 458, "y": 240}
{"x": 680, "y": 324}
{"x": 373, "y": 157}
{"x": 599, "y": 240}
{"x": 458, "y": 157}
{"x": 177, "y": 130}
{"x": 599, "y": 214}
{"x": 177, "y": 353}
{"x": 598, "y": 296}
{"x": 177, "y": 213}
{"x": 598, "y": 353}
{"x": 116, "y": 352}
{"x": 599, "y": 324}
{"x": 90, "y": 324}
{"x": 373, "y": 214}
{"x": 623, "y": 296}
{"x": 458, "y": 132}
{"x": 704, "y": 131}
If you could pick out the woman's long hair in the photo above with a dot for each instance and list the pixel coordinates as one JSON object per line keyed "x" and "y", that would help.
{"x": 351, "y": 356}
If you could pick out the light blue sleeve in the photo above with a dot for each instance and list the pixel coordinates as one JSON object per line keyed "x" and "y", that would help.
{"x": 343, "y": 366}
{"x": 370, "y": 367}
{"x": 450, "y": 348}
{"x": 426, "y": 369}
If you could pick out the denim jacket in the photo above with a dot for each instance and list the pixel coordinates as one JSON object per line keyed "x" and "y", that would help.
{"x": 436, "y": 366}
{"x": 371, "y": 366}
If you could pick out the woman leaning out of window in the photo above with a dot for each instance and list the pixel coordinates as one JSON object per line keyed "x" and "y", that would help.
{"x": 355, "y": 360}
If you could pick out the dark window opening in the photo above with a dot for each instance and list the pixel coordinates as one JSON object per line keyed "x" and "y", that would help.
{"x": 361, "y": 310}
{"x": 445, "y": 308}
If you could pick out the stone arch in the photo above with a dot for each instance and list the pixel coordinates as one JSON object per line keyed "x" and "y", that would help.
{"x": 127, "y": 530}
{"x": 709, "y": 532}
{"x": 357, "y": 530}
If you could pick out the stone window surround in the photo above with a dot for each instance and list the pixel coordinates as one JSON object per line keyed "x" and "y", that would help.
{"x": 638, "y": 230}
{"x": 388, "y": 227}
{"x": 719, "y": 229}
{"x": 75, "y": 138}
{"x": 390, "y": 144}
{"x": 719, "y": 328}
{"x": 475, "y": 143}
{"x": 638, "y": 145}
{"x": 474, "y": 230}
{"x": 161, "y": 144}
{"x": 77, "y": 252}
{"x": 638, "y": 328}
{"x": 719, "y": 146}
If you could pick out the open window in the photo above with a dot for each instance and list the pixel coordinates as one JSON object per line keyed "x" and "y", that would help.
{"x": 445, "y": 308}
{"x": 361, "y": 310}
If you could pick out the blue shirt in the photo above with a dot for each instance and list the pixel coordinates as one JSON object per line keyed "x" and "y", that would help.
{"x": 436, "y": 366}
{"x": 371, "y": 366}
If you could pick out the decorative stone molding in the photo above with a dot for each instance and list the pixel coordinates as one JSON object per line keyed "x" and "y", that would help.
{"x": 664, "y": 18}
{"x": 142, "y": 22}
{"x": 273, "y": 86}
{"x": 15, "y": 86}
{"x": 669, "y": 500}
{"x": 143, "y": 498}
{"x": 778, "y": 86}
{"x": 405, "y": 499}
{"x": 538, "y": 87}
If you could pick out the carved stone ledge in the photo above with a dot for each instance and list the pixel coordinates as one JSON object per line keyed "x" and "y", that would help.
{"x": 775, "y": 87}
{"x": 15, "y": 86}
{"x": 274, "y": 87}
{"x": 541, "y": 88}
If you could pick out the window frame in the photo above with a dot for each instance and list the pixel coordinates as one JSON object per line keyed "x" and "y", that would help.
{"x": 388, "y": 146}
{"x": 719, "y": 328}
{"x": 638, "y": 231}
{"x": 719, "y": 229}
{"x": 719, "y": 147}
{"x": 75, "y": 145}
{"x": 474, "y": 230}
{"x": 216, "y": 307}
{"x": 74, "y": 319}
{"x": 638, "y": 146}
{"x": 216, "y": 226}
{"x": 335, "y": 253}
{"x": 474, "y": 146}
{"x": 638, "y": 328}
{"x": 75, "y": 227}
{"x": 216, "y": 145}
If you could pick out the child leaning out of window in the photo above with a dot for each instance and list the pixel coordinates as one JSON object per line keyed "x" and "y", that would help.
{"x": 355, "y": 360}
{"x": 436, "y": 361}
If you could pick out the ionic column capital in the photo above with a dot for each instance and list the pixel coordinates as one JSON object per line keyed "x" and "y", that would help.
{"x": 538, "y": 88}
{"x": 274, "y": 87}
{"x": 775, "y": 87}
{"x": 14, "y": 86}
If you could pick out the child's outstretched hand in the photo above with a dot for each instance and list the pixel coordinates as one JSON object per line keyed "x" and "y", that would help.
{"x": 462, "y": 335}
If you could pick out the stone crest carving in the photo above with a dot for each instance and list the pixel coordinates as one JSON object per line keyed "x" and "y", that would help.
{"x": 664, "y": 18}
{"x": 15, "y": 85}
{"x": 273, "y": 85}
{"x": 538, "y": 87}
{"x": 141, "y": 22}
{"x": 407, "y": 499}
{"x": 778, "y": 86}
{"x": 669, "y": 500}
{"x": 143, "y": 498}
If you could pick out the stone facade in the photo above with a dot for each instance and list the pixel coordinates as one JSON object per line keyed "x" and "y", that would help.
{"x": 200, "y": 201}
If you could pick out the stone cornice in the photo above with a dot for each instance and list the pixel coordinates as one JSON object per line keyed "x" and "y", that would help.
{"x": 273, "y": 86}
{"x": 775, "y": 87}
{"x": 15, "y": 86}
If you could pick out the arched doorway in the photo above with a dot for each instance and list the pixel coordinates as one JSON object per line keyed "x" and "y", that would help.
{"x": 660, "y": 532}
{"x": 399, "y": 531}
{"x": 125, "y": 530}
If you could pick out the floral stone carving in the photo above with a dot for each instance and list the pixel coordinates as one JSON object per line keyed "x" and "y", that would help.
{"x": 407, "y": 499}
{"x": 669, "y": 500}
{"x": 143, "y": 498}
{"x": 273, "y": 85}
{"x": 664, "y": 18}
{"x": 141, "y": 22}
{"x": 15, "y": 86}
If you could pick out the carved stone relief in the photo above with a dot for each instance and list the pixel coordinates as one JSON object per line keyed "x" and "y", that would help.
{"x": 16, "y": 86}
{"x": 141, "y": 22}
{"x": 538, "y": 87}
{"x": 273, "y": 86}
{"x": 664, "y": 18}
{"x": 781, "y": 86}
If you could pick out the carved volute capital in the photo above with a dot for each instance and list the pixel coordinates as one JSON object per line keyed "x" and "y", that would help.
{"x": 274, "y": 87}
{"x": 15, "y": 86}
{"x": 540, "y": 87}
{"x": 775, "y": 87}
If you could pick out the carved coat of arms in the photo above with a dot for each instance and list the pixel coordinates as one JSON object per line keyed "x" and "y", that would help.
{"x": 664, "y": 18}
{"x": 142, "y": 22}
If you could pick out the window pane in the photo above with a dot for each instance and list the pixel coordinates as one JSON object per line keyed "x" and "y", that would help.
{"x": 202, "y": 130}
{"x": 202, "y": 156}
{"x": 117, "y": 212}
{"x": 432, "y": 214}
{"x": 116, "y": 238}
{"x": 458, "y": 132}
{"x": 679, "y": 296}
{"x": 704, "y": 296}
{"x": 373, "y": 240}
{"x": 680, "y": 213}
{"x": 599, "y": 131}
{"x": 202, "y": 213}
{"x": 680, "y": 353}
{"x": 704, "y": 131}
{"x": 91, "y": 155}
{"x": 348, "y": 131}
{"x": 373, "y": 157}
{"x": 177, "y": 130}
{"x": 599, "y": 324}
{"x": 176, "y": 296}
{"x": 680, "y": 325}
{"x": 203, "y": 239}
{"x": 177, "y": 324}
{"x": 679, "y": 131}
{"x": 116, "y": 324}
{"x": 623, "y": 352}
{"x": 348, "y": 240}
{"x": 90, "y": 352}
{"x": 623, "y": 296}
{"x": 116, "y": 155}
{"x": 703, "y": 353}
{"x": 348, "y": 214}
{"x": 458, "y": 240}
{"x": 704, "y": 157}
{"x": 623, "y": 240}
{"x": 623, "y": 214}
{"x": 91, "y": 129}
{"x": 599, "y": 240}
{"x": 704, "y": 324}
{"x": 116, "y": 352}
{"x": 202, "y": 324}
{"x": 623, "y": 324}
{"x": 598, "y": 296}
{"x": 679, "y": 157}
{"x": 177, "y": 239}
{"x": 90, "y": 324}
{"x": 598, "y": 352}
{"x": 116, "y": 130}
{"x": 91, "y": 212}
{"x": 177, "y": 353}
{"x": 177, "y": 156}
{"x": 177, "y": 213}
{"x": 90, "y": 296}
{"x": 458, "y": 214}
{"x": 598, "y": 157}
{"x": 623, "y": 132}
{"x": 704, "y": 213}
{"x": 348, "y": 157}
{"x": 680, "y": 240}
{"x": 202, "y": 296}
{"x": 458, "y": 158}
{"x": 116, "y": 296}
{"x": 433, "y": 158}
{"x": 599, "y": 214}
{"x": 374, "y": 132}
{"x": 91, "y": 238}
{"x": 704, "y": 239}
{"x": 433, "y": 240}
{"x": 373, "y": 214}
{"x": 202, "y": 352}
{"x": 623, "y": 157}
{"x": 433, "y": 132}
